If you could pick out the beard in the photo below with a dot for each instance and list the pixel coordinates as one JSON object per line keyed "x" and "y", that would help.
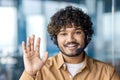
{"x": 77, "y": 52}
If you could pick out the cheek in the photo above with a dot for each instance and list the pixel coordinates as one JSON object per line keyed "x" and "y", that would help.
{"x": 81, "y": 40}
{"x": 60, "y": 41}
{"x": 84, "y": 41}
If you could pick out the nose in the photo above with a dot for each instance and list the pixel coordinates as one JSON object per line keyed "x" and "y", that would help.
{"x": 70, "y": 38}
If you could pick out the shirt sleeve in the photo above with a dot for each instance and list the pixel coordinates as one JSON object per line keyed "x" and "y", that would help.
{"x": 26, "y": 76}
{"x": 115, "y": 76}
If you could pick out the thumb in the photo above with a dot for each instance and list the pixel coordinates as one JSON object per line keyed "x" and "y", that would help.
{"x": 45, "y": 57}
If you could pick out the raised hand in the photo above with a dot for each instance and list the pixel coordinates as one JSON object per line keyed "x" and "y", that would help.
{"x": 31, "y": 56}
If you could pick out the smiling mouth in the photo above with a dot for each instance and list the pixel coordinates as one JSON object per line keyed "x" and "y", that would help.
{"x": 71, "y": 46}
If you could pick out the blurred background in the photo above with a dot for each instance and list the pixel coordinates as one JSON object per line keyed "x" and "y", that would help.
{"x": 22, "y": 18}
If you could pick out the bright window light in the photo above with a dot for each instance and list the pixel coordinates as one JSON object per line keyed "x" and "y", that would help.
{"x": 8, "y": 27}
{"x": 36, "y": 25}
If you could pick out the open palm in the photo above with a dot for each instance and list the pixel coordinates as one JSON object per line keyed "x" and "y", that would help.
{"x": 32, "y": 60}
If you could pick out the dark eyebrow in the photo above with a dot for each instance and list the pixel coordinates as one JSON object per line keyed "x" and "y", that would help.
{"x": 78, "y": 28}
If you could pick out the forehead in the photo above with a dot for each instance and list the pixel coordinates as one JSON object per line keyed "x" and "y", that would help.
{"x": 71, "y": 25}
{"x": 70, "y": 28}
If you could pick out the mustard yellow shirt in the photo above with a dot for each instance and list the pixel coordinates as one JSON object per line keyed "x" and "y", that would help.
{"x": 55, "y": 69}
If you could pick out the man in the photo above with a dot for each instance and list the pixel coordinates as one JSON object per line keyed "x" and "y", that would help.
{"x": 71, "y": 30}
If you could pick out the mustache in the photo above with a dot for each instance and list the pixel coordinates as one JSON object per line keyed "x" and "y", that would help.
{"x": 71, "y": 43}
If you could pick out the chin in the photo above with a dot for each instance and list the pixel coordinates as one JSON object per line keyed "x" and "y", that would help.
{"x": 71, "y": 54}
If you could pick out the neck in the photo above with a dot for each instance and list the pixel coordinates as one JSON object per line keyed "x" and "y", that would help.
{"x": 74, "y": 60}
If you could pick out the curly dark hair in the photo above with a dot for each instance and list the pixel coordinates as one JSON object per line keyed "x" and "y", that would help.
{"x": 68, "y": 16}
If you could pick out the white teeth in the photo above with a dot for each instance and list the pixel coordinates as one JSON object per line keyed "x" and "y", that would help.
{"x": 71, "y": 45}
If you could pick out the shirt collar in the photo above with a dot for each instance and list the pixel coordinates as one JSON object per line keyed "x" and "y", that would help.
{"x": 60, "y": 60}
{"x": 87, "y": 61}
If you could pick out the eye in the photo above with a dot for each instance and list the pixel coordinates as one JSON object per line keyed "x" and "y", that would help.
{"x": 78, "y": 32}
{"x": 63, "y": 34}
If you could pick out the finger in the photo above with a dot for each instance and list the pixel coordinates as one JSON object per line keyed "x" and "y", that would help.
{"x": 24, "y": 47}
{"x": 45, "y": 57}
{"x": 38, "y": 45}
{"x": 32, "y": 43}
{"x": 28, "y": 44}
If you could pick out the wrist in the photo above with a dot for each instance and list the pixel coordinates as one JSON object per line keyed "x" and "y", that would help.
{"x": 31, "y": 73}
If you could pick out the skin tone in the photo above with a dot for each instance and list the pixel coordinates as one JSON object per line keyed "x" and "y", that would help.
{"x": 31, "y": 57}
{"x": 69, "y": 41}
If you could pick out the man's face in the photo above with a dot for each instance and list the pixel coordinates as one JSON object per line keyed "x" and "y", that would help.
{"x": 71, "y": 41}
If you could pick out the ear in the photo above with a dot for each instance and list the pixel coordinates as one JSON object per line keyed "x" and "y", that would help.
{"x": 87, "y": 40}
{"x": 55, "y": 40}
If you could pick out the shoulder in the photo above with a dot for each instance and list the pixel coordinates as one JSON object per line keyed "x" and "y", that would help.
{"x": 102, "y": 64}
{"x": 103, "y": 67}
{"x": 52, "y": 60}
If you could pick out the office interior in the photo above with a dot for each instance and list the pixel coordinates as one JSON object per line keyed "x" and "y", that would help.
{"x": 22, "y": 18}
